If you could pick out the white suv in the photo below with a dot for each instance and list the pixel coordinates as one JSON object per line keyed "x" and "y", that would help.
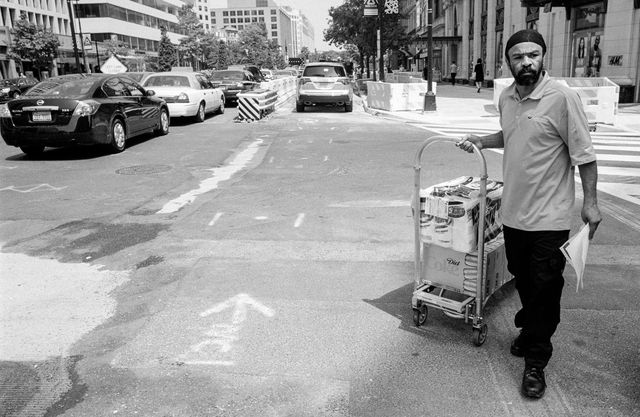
{"x": 324, "y": 83}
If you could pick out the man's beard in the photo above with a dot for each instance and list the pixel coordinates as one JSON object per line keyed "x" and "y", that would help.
{"x": 527, "y": 77}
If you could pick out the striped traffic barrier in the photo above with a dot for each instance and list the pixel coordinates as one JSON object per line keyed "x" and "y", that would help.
{"x": 255, "y": 105}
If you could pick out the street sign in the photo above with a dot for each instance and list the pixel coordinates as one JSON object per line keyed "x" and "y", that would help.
{"x": 295, "y": 61}
{"x": 113, "y": 66}
{"x": 86, "y": 42}
{"x": 370, "y": 8}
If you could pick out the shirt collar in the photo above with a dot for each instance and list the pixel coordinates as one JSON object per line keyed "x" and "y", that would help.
{"x": 537, "y": 93}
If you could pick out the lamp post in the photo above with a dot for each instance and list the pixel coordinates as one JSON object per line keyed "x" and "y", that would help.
{"x": 73, "y": 36}
{"x": 429, "y": 97}
{"x": 84, "y": 51}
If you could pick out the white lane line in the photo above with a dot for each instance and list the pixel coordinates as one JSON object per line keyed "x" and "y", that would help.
{"x": 261, "y": 218}
{"x": 617, "y": 148}
{"x": 620, "y": 171}
{"x": 619, "y": 158}
{"x": 215, "y": 218}
{"x": 223, "y": 173}
{"x": 299, "y": 220}
{"x": 210, "y": 363}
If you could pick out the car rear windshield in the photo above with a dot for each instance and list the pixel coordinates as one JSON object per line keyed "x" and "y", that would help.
{"x": 167, "y": 81}
{"x": 62, "y": 88}
{"x": 228, "y": 75}
{"x": 322, "y": 71}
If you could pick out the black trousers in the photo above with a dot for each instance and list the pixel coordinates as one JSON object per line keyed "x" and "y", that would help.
{"x": 534, "y": 258}
{"x": 453, "y": 78}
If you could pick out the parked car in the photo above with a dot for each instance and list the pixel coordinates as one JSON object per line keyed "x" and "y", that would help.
{"x": 284, "y": 73}
{"x": 324, "y": 83}
{"x": 14, "y": 87}
{"x": 267, "y": 74}
{"x": 82, "y": 109}
{"x": 137, "y": 76}
{"x": 232, "y": 82}
{"x": 255, "y": 71}
{"x": 188, "y": 94}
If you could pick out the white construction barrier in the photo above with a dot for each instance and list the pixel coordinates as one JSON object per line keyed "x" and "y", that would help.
{"x": 255, "y": 105}
{"x": 397, "y": 96}
{"x": 599, "y": 96}
{"x": 285, "y": 87}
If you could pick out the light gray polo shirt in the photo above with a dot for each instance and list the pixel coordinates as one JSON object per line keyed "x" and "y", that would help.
{"x": 546, "y": 135}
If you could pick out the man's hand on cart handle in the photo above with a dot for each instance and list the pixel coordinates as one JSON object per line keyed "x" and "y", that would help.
{"x": 466, "y": 143}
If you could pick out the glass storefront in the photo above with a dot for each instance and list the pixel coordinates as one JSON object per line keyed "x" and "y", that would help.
{"x": 588, "y": 34}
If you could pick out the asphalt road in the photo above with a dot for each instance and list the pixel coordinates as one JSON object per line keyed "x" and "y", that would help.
{"x": 265, "y": 269}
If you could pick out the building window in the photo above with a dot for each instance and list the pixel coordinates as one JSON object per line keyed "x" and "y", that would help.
{"x": 232, "y": 13}
{"x": 240, "y": 27}
{"x": 247, "y": 12}
{"x": 261, "y": 19}
{"x": 262, "y": 3}
{"x": 274, "y": 19}
{"x": 225, "y": 13}
{"x": 233, "y": 20}
{"x": 274, "y": 26}
{"x": 254, "y": 12}
{"x": 274, "y": 11}
{"x": 255, "y": 19}
{"x": 274, "y": 34}
{"x": 225, "y": 20}
{"x": 260, "y": 12}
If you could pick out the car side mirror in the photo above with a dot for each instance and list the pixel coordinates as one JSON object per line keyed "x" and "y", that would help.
{"x": 150, "y": 93}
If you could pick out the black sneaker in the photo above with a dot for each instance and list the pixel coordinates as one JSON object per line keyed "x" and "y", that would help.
{"x": 517, "y": 346}
{"x": 533, "y": 384}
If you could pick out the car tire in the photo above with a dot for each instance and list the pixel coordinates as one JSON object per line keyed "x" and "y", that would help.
{"x": 348, "y": 108}
{"x": 118, "y": 135}
{"x": 200, "y": 115}
{"x": 163, "y": 129}
{"x": 32, "y": 150}
{"x": 221, "y": 108}
{"x": 300, "y": 107}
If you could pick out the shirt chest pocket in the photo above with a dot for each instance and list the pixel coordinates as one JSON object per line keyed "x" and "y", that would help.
{"x": 537, "y": 125}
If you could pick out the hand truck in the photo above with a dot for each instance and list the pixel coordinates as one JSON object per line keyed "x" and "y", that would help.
{"x": 427, "y": 294}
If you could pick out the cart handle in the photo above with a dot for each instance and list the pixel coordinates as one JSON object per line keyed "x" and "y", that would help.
{"x": 482, "y": 214}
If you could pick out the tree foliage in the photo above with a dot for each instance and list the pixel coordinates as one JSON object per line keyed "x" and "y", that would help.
{"x": 348, "y": 26}
{"x": 166, "y": 52}
{"x": 191, "y": 46}
{"x": 33, "y": 43}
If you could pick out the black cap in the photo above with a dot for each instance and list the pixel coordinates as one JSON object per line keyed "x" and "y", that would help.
{"x": 525, "y": 35}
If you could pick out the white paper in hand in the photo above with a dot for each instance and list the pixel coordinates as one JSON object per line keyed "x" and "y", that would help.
{"x": 575, "y": 250}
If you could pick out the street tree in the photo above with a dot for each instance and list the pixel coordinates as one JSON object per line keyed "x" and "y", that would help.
{"x": 33, "y": 43}
{"x": 348, "y": 25}
{"x": 304, "y": 54}
{"x": 191, "y": 46}
{"x": 166, "y": 52}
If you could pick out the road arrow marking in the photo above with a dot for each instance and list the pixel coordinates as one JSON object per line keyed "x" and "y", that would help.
{"x": 240, "y": 303}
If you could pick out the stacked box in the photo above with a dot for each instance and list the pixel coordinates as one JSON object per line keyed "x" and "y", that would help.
{"x": 458, "y": 271}
{"x": 449, "y": 213}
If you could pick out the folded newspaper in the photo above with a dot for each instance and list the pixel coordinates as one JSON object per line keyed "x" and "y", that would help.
{"x": 575, "y": 250}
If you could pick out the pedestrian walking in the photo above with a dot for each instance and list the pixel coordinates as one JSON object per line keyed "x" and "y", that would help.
{"x": 545, "y": 134}
{"x": 479, "y": 74}
{"x": 453, "y": 70}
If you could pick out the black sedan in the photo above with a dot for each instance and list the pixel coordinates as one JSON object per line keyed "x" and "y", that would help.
{"x": 232, "y": 82}
{"x": 13, "y": 87}
{"x": 82, "y": 109}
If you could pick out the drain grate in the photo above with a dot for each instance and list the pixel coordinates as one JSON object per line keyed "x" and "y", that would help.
{"x": 143, "y": 169}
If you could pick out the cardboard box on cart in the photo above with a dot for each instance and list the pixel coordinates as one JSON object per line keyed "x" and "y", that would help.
{"x": 457, "y": 271}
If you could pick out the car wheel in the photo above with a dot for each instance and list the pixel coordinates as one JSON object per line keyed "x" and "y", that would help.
{"x": 201, "y": 114}
{"x": 32, "y": 150}
{"x": 164, "y": 123}
{"x": 15, "y": 94}
{"x": 118, "y": 135}
{"x": 300, "y": 107}
{"x": 221, "y": 108}
{"x": 348, "y": 108}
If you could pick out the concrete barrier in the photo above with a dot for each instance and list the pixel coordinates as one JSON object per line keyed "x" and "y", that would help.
{"x": 397, "y": 96}
{"x": 285, "y": 87}
{"x": 599, "y": 96}
{"x": 255, "y": 105}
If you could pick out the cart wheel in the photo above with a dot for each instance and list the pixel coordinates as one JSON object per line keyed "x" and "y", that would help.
{"x": 480, "y": 334}
{"x": 420, "y": 315}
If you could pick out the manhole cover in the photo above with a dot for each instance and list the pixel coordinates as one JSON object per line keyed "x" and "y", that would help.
{"x": 143, "y": 169}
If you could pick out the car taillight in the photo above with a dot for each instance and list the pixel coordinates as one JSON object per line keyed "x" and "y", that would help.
{"x": 182, "y": 98}
{"x": 305, "y": 80}
{"x": 344, "y": 81}
{"x": 86, "y": 108}
{"x": 4, "y": 111}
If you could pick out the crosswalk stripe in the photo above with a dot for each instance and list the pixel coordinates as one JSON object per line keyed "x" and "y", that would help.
{"x": 618, "y": 158}
{"x": 619, "y": 171}
{"x": 617, "y": 148}
{"x": 615, "y": 142}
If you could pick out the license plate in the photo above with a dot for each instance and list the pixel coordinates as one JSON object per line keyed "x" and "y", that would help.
{"x": 42, "y": 116}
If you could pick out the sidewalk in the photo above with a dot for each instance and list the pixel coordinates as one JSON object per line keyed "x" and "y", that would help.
{"x": 462, "y": 105}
